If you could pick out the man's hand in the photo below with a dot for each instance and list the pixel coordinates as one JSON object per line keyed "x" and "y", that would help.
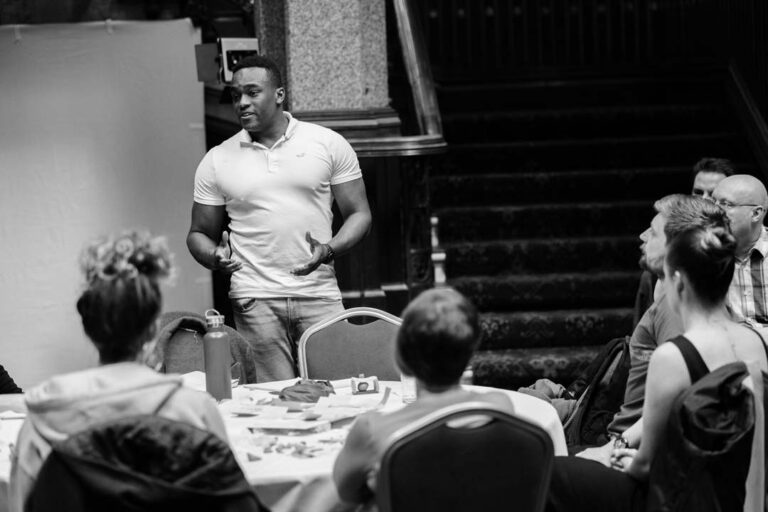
{"x": 320, "y": 253}
{"x": 222, "y": 256}
{"x": 601, "y": 454}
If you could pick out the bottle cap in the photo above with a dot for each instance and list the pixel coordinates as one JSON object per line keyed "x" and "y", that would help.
{"x": 213, "y": 318}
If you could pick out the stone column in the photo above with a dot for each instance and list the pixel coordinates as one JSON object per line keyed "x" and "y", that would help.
{"x": 336, "y": 54}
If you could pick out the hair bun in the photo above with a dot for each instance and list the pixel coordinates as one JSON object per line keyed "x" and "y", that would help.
{"x": 126, "y": 256}
{"x": 716, "y": 239}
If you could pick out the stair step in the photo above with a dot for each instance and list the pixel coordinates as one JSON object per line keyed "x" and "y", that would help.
{"x": 549, "y": 291}
{"x": 541, "y": 255}
{"x": 548, "y": 155}
{"x": 578, "y": 186}
{"x": 585, "y": 122}
{"x": 544, "y": 94}
{"x": 514, "y": 368}
{"x": 569, "y": 327}
{"x": 543, "y": 220}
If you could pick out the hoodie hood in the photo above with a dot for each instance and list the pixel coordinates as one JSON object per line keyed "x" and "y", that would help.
{"x": 70, "y": 403}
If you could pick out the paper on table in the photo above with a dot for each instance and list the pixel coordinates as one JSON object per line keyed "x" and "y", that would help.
{"x": 294, "y": 424}
{"x": 194, "y": 380}
{"x": 12, "y": 415}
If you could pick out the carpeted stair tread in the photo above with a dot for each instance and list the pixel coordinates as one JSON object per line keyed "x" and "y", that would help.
{"x": 548, "y": 94}
{"x": 514, "y": 368}
{"x": 520, "y": 292}
{"x": 572, "y": 185}
{"x": 568, "y": 327}
{"x": 585, "y": 122}
{"x": 542, "y": 194}
{"x": 551, "y": 155}
{"x": 541, "y": 255}
{"x": 543, "y": 220}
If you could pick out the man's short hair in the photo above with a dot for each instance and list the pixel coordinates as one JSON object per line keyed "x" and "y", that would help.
{"x": 718, "y": 165}
{"x": 683, "y": 212}
{"x": 260, "y": 61}
{"x": 439, "y": 334}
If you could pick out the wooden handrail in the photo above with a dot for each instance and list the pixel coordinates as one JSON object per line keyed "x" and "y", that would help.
{"x": 418, "y": 70}
{"x": 398, "y": 146}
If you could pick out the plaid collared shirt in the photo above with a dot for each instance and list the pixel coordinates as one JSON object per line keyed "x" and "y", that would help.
{"x": 748, "y": 293}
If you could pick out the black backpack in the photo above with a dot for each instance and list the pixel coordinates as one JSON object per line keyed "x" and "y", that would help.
{"x": 600, "y": 392}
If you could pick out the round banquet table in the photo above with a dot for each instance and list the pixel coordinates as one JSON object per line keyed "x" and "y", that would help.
{"x": 290, "y": 470}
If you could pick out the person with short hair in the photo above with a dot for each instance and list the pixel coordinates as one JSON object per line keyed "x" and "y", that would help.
{"x": 119, "y": 308}
{"x": 276, "y": 181}
{"x": 707, "y": 173}
{"x": 675, "y": 213}
{"x": 439, "y": 334}
{"x": 744, "y": 200}
{"x": 698, "y": 269}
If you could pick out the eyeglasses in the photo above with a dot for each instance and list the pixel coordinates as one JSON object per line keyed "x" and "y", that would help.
{"x": 727, "y": 205}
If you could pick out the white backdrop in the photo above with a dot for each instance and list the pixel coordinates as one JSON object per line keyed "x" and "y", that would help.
{"x": 101, "y": 128}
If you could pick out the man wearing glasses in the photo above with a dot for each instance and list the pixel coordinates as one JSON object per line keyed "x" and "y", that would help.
{"x": 744, "y": 200}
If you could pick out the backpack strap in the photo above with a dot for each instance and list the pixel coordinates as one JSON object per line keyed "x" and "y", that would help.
{"x": 755, "y": 485}
{"x": 697, "y": 368}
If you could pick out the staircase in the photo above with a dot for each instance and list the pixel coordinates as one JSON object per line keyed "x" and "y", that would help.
{"x": 542, "y": 196}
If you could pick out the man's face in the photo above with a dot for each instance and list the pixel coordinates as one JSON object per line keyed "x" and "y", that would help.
{"x": 654, "y": 246}
{"x": 704, "y": 183}
{"x": 256, "y": 99}
{"x": 738, "y": 206}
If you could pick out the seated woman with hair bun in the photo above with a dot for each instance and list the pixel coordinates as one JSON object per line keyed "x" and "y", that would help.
{"x": 698, "y": 271}
{"x": 119, "y": 308}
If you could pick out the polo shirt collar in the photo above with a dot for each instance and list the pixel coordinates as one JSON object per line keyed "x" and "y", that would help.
{"x": 293, "y": 123}
{"x": 761, "y": 245}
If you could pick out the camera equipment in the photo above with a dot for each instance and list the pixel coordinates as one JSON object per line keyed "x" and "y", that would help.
{"x": 362, "y": 385}
{"x": 216, "y": 60}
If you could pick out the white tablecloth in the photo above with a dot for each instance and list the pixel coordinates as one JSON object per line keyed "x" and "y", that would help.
{"x": 292, "y": 472}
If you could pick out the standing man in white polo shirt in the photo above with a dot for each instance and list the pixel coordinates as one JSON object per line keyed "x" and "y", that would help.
{"x": 276, "y": 179}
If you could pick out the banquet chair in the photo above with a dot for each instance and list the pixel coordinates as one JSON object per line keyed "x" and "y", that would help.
{"x": 179, "y": 346}
{"x": 337, "y": 349}
{"x": 470, "y": 456}
{"x": 143, "y": 462}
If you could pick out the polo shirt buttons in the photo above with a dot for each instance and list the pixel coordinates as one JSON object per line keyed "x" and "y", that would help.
{"x": 271, "y": 161}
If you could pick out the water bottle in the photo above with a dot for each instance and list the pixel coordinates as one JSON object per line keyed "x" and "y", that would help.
{"x": 218, "y": 379}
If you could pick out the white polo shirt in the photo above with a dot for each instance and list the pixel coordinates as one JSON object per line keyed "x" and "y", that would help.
{"x": 273, "y": 197}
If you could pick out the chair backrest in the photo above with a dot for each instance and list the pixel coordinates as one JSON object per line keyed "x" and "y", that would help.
{"x": 180, "y": 346}
{"x": 450, "y": 460}
{"x": 336, "y": 349}
{"x": 147, "y": 463}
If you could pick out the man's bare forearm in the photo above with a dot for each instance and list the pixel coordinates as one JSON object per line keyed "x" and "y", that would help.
{"x": 202, "y": 249}
{"x": 354, "y": 229}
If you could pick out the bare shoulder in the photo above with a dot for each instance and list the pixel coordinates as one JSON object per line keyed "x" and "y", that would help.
{"x": 667, "y": 368}
{"x": 667, "y": 355}
{"x": 749, "y": 344}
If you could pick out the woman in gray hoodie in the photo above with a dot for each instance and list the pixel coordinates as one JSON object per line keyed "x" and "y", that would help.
{"x": 119, "y": 309}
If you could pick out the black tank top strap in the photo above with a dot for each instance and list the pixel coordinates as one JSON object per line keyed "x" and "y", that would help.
{"x": 697, "y": 368}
